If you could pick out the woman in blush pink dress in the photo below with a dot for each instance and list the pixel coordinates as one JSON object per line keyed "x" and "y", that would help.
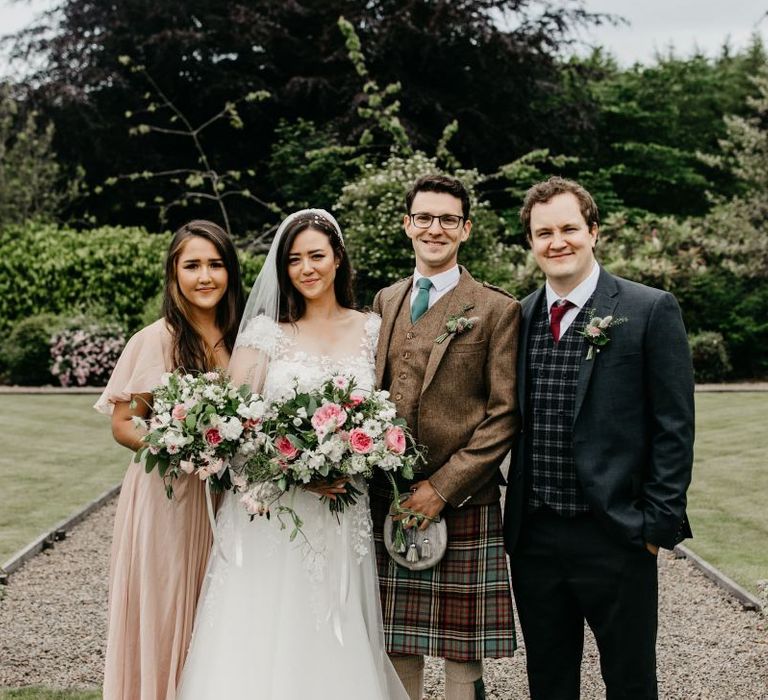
{"x": 160, "y": 547}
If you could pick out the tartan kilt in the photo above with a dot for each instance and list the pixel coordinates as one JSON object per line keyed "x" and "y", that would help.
{"x": 460, "y": 609}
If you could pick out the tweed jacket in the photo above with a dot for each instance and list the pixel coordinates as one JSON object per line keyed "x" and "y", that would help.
{"x": 633, "y": 422}
{"x": 467, "y": 412}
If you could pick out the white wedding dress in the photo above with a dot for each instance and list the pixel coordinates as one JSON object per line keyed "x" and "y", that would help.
{"x": 281, "y": 620}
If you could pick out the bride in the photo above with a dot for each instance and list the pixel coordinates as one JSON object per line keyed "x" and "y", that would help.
{"x": 284, "y": 620}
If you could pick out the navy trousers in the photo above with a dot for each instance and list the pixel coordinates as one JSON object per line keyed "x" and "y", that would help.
{"x": 566, "y": 571}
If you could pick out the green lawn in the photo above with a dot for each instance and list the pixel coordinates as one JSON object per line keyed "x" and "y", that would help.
{"x": 728, "y": 499}
{"x": 57, "y": 455}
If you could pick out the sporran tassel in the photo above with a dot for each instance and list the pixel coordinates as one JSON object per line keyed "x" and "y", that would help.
{"x": 426, "y": 548}
{"x": 413, "y": 554}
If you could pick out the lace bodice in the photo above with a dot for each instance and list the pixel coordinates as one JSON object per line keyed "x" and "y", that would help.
{"x": 288, "y": 363}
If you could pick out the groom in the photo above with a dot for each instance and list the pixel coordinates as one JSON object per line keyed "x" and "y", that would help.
{"x": 604, "y": 457}
{"x": 458, "y": 397}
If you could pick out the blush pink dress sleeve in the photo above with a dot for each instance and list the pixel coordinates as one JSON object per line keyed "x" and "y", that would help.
{"x": 160, "y": 550}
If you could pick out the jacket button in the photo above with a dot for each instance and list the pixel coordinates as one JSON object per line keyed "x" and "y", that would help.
{"x": 403, "y": 375}
{"x": 409, "y": 335}
{"x": 398, "y": 397}
{"x": 406, "y": 355}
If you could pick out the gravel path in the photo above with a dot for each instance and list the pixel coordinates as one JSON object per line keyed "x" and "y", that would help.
{"x": 53, "y": 620}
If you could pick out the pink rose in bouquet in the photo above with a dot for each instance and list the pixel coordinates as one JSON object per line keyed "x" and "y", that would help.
{"x": 179, "y": 412}
{"x": 286, "y": 448}
{"x": 328, "y": 418}
{"x": 360, "y": 442}
{"x": 354, "y": 401}
{"x": 394, "y": 439}
{"x": 213, "y": 437}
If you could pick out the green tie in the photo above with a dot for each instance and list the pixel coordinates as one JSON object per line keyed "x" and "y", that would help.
{"x": 421, "y": 302}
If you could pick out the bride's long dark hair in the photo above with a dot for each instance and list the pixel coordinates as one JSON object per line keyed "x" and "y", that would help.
{"x": 190, "y": 351}
{"x": 292, "y": 303}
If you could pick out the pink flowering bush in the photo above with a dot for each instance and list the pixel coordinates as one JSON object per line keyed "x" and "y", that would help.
{"x": 85, "y": 354}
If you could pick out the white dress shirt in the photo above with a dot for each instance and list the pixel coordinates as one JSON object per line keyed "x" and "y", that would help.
{"x": 442, "y": 283}
{"x": 577, "y": 296}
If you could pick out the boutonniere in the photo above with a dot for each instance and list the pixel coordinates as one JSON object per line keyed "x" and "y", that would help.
{"x": 596, "y": 331}
{"x": 456, "y": 325}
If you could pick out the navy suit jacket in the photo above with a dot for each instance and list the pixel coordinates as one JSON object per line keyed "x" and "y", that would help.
{"x": 633, "y": 422}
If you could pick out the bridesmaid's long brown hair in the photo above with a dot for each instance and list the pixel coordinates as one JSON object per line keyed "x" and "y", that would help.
{"x": 190, "y": 351}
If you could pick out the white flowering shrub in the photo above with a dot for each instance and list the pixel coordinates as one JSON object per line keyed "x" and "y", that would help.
{"x": 86, "y": 355}
{"x": 371, "y": 210}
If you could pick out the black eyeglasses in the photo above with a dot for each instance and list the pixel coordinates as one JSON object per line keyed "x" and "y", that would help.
{"x": 447, "y": 221}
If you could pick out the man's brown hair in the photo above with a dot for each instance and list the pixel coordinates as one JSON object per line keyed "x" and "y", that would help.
{"x": 437, "y": 182}
{"x": 542, "y": 192}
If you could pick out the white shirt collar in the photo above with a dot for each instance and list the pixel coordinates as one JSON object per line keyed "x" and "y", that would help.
{"x": 579, "y": 295}
{"x": 441, "y": 280}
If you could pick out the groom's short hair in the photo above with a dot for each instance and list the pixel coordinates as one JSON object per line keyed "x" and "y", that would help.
{"x": 436, "y": 182}
{"x": 542, "y": 192}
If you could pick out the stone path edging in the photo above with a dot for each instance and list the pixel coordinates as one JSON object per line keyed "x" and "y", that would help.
{"x": 749, "y": 387}
{"x": 57, "y": 533}
{"x": 747, "y": 599}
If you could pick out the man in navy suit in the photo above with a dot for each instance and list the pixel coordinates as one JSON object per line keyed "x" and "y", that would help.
{"x": 603, "y": 462}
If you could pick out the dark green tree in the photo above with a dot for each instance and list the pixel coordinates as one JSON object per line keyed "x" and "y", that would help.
{"x": 33, "y": 185}
{"x": 652, "y": 122}
{"x": 491, "y": 65}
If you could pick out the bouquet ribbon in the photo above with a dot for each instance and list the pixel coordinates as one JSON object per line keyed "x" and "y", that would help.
{"x": 343, "y": 585}
{"x": 338, "y": 563}
{"x": 216, "y": 542}
{"x": 212, "y": 519}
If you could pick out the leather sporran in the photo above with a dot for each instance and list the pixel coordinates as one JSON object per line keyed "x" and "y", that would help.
{"x": 418, "y": 549}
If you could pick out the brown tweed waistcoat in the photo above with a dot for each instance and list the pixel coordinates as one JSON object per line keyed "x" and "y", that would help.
{"x": 409, "y": 348}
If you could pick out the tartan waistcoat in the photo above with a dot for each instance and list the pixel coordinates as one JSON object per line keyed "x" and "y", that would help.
{"x": 553, "y": 373}
{"x": 409, "y": 348}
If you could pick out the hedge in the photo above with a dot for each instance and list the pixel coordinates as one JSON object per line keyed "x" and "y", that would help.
{"x": 109, "y": 271}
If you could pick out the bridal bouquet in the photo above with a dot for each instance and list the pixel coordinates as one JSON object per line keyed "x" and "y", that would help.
{"x": 198, "y": 423}
{"x": 335, "y": 432}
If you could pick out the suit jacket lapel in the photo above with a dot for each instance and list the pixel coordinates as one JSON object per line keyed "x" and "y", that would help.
{"x": 529, "y": 310}
{"x": 604, "y": 302}
{"x": 462, "y": 296}
{"x": 390, "y": 307}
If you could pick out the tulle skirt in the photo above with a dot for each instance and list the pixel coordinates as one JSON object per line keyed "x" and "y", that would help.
{"x": 283, "y": 620}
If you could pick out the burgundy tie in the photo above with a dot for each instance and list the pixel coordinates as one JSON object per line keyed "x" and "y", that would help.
{"x": 556, "y": 314}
